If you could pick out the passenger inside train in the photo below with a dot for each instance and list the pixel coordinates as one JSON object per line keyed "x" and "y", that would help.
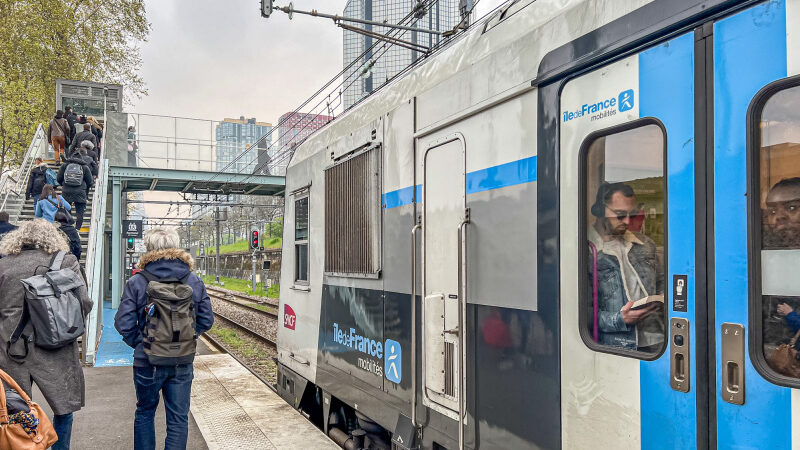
{"x": 625, "y": 270}
{"x": 779, "y": 182}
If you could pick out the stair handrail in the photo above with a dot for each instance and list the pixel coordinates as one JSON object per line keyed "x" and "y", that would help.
{"x": 94, "y": 263}
{"x": 17, "y": 186}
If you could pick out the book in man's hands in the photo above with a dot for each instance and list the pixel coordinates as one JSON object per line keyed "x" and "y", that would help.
{"x": 653, "y": 299}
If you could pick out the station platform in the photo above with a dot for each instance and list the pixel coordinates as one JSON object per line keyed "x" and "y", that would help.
{"x": 230, "y": 407}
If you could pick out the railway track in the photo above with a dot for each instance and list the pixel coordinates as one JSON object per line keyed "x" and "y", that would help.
{"x": 247, "y": 305}
{"x": 258, "y": 336}
{"x": 245, "y": 298}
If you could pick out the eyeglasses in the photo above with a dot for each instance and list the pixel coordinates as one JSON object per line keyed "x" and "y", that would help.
{"x": 621, "y": 215}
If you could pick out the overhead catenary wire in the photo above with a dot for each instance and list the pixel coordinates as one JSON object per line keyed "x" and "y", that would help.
{"x": 288, "y": 153}
{"x": 428, "y": 5}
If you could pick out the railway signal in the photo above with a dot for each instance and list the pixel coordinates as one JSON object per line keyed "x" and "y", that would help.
{"x": 254, "y": 239}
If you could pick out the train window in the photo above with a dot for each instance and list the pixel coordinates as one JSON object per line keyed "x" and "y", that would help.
{"x": 776, "y": 221}
{"x": 301, "y": 239}
{"x": 624, "y": 231}
{"x": 353, "y": 216}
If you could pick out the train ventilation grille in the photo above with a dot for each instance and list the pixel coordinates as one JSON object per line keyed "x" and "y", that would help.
{"x": 449, "y": 369}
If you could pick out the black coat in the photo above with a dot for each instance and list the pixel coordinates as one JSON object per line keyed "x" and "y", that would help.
{"x": 80, "y": 137}
{"x": 76, "y": 194}
{"x": 92, "y": 164}
{"x": 5, "y": 227}
{"x": 74, "y": 240}
{"x": 36, "y": 181}
{"x": 72, "y": 119}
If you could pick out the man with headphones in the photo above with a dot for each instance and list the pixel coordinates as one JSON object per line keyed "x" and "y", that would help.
{"x": 627, "y": 270}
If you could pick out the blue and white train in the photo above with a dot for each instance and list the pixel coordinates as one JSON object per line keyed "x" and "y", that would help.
{"x": 437, "y": 289}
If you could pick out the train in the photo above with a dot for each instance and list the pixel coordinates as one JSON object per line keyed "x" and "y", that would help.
{"x": 569, "y": 227}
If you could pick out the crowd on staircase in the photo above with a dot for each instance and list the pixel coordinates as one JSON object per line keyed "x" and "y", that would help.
{"x": 61, "y": 189}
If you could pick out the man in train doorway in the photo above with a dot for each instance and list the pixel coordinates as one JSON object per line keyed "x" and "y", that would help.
{"x": 627, "y": 270}
{"x": 782, "y": 221}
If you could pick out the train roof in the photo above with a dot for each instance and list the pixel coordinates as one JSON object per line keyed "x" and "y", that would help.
{"x": 520, "y": 41}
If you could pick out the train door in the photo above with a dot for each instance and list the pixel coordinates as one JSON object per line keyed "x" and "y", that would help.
{"x": 627, "y": 252}
{"x": 756, "y": 226}
{"x": 444, "y": 203}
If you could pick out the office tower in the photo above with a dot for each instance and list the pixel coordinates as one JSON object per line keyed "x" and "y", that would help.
{"x": 388, "y": 60}
{"x": 236, "y": 136}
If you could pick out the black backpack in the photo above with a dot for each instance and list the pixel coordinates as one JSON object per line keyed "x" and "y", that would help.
{"x": 169, "y": 325}
{"x": 61, "y": 210}
{"x": 73, "y": 175}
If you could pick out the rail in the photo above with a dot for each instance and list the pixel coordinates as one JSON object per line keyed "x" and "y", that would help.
{"x": 13, "y": 187}
{"x": 94, "y": 263}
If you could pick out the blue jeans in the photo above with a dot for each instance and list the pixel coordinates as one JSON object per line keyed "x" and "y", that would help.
{"x": 175, "y": 384}
{"x": 63, "y": 426}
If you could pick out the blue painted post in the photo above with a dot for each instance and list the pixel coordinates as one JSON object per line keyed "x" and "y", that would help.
{"x": 116, "y": 243}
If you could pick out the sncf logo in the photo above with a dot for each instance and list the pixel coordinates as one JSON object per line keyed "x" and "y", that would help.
{"x": 289, "y": 317}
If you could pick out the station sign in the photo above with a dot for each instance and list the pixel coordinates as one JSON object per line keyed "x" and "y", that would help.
{"x": 132, "y": 228}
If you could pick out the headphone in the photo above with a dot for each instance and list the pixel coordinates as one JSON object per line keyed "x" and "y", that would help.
{"x": 599, "y": 206}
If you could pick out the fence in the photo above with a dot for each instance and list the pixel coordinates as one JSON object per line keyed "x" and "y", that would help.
{"x": 162, "y": 142}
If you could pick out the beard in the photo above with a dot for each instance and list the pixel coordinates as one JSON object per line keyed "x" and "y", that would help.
{"x": 784, "y": 237}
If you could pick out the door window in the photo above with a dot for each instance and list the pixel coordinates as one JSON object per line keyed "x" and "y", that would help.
{"x": 776, "y": 230}
{"x": 623, "y": 217}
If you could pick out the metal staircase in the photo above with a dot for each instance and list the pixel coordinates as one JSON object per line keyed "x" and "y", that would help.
{"x": 12, "y": 193}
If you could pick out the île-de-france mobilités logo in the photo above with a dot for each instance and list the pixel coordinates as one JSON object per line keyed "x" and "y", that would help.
{"x": 393, "y": 361}
{"x": 625, "y": 100}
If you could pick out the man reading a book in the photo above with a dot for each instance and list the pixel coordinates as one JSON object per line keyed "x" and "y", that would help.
{"x": 630, "y": 277}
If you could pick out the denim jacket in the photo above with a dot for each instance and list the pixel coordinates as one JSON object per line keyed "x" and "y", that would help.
{"x": 612, "y": 297}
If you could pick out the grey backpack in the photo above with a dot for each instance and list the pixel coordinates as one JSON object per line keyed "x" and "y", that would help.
{"x": 52, "y": 306}
{"x": 169, "y": 325}
{"x": 73, "y": 175}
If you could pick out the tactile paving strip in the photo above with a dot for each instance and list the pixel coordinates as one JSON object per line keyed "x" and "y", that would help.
{"x": 223, "y": 422}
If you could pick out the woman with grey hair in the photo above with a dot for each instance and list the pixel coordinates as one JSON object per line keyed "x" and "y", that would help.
{"x": 163, "y": 265}
{"x": 58, "y": 374}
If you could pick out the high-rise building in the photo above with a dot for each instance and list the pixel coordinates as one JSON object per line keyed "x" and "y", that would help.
{"x": 388, "y": 60}
{"x": 294, "y": 127}
{"x": 236, "y": 136}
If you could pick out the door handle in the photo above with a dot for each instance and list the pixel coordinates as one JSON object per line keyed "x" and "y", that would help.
{"x": 462, "y": 308}
{"x": 414, "y": 230}
{"x": 733, "y": 363}
{"x": 679, "y": 354}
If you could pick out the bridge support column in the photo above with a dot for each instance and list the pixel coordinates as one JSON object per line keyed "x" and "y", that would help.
{"x": 116, "y": 243}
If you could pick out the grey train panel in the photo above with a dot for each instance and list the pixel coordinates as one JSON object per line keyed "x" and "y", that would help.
{"x": 502, "y": 247}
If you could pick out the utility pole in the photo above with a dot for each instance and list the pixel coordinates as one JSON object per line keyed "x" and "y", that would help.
{"x": 216, "y": 255}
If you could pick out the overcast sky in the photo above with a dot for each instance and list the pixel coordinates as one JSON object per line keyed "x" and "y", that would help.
{"x": 211, "y": 59}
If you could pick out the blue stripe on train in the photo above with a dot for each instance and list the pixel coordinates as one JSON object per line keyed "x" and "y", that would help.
{"x": 666, "y": 92}
{"x": 749, "y": 52}
{"x": 496, "y": 177}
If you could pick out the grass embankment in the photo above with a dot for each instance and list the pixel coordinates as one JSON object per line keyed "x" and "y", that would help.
{"x": 230, "y": 339}
{"x": 243, "y": 286}
{"x": 243, "y": 246}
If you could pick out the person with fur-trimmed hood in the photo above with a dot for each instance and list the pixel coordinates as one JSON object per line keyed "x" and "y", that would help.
{"x": 57, "y": 372}
{"x": 163, "y": 260}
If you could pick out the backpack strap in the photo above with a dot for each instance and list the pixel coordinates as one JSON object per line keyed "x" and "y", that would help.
{"x": 23, "y": 321}
{"x": 58, "y": 259}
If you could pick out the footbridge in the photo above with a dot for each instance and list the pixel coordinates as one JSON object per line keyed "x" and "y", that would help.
{"x": 145, "y": 153}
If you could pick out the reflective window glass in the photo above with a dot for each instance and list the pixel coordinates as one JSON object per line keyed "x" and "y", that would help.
{"x": 301, "y": 240}
{"x": 779, "y": 205}
{"x": 624, "y": 234}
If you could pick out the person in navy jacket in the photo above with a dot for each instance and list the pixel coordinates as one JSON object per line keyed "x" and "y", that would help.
{"x": 163, "y": 259}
